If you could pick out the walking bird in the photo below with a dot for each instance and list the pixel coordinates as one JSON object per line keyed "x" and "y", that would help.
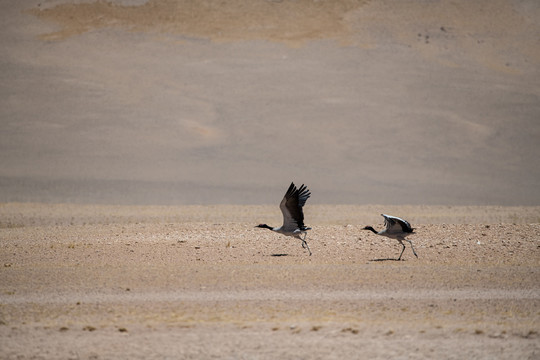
{"x": 293, "y": 216}
{"x": 396, "y": 228}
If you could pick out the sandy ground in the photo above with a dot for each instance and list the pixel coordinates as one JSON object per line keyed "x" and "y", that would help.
{"x": 178, "y": 102}
{"x": 99, "y": 282}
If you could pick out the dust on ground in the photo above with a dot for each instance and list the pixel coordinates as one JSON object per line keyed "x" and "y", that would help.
{"x": 283, "y": 21}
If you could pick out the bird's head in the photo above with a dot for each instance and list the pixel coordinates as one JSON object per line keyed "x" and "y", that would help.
{"x": 264, "y": 226}
{"x": 370, "y": 228}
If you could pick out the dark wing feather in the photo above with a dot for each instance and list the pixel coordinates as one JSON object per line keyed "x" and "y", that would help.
{"x": 395, "y": 224}
{"x": 303, "y": 195}
{"x": 291, "y": 207}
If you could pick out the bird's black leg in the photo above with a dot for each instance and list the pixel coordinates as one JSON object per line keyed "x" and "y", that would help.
{"x": 402, "y": 250}
{"x": 414, "y": 252}
{"x": 304, "y": 243}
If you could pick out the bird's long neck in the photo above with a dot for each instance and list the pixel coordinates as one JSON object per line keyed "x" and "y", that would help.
{"x": 264, "y": 226}
{"x": 371, "y": 229}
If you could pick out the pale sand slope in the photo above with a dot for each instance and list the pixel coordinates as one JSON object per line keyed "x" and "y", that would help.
{"x": 204, "y": 102}
{"x": 100, "y": 282}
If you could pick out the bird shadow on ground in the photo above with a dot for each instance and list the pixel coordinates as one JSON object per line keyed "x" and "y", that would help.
{"x": 387, "y": 259}
{"x": 277, "y": 255}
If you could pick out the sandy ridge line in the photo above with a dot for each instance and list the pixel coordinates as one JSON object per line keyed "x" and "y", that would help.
{"x": 273, "y": 295}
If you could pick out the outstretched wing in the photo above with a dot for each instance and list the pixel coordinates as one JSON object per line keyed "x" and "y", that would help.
{"x": 291, "y": 207}
{"x": 394, "y": 224}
